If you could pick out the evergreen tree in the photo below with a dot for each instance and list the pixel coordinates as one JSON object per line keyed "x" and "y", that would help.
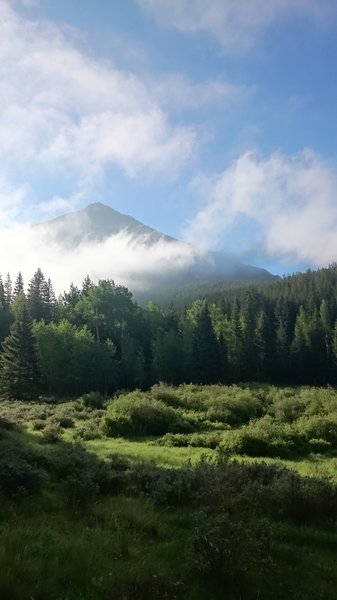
{"x": 8, "y": 289}
{"x": 280, "y": 371}
{"x": 300, "y": 348}
{"x": 2, "y": 294}
{"x": 168, "y": 357}
{"x": 87, "y": 284}
{"x": 205, "y": 350}
{"x": 39, "y": 297}
{"x": 325, "y": 313}
{"x": 18, "y": 286}
{"x": 223, "y": 359}
{"x": 49, "y": 300}
{"x": 263, "y": 347}
{"x": 236, "y": 345}
{"x": 20, "y": 374}
{"x": 249, "y": 311}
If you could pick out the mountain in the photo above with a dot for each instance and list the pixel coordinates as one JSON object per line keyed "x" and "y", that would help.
{"x": 182, "y": 263}
{"x": 98, "y": 222}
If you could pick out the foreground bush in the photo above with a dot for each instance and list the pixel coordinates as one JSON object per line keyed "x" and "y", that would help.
{"x": 138, "y": 414}
{"x": 83, "y": 474}
{"x": 18, "y": 477}
{"x": 226, "y": 547}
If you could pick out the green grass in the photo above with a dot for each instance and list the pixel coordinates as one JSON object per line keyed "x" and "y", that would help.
{"x": 145, "y": 450}
{"x": 126, "y": 548}
{"x": 114, "y": 546}
{"x": 315, "y": 465}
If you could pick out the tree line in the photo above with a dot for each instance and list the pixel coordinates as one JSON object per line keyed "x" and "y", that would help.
{"x": 96, "y": 337}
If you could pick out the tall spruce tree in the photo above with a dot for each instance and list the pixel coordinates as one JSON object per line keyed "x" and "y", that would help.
{"x": 38, "y": 297}
{"x": 87, "y": 284}
{"x": 2, "y": 294}
{"x": 205, "y": 350}
{"x": 18, "y": 285}
{"x": 8, "y": 288}
{"x": 20, "y": 373}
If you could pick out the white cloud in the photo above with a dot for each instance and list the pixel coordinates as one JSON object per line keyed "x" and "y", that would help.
{"x": 61, "y": 108}
{"x": 12, "y": 199}
{"x": 236, "y": 24}
{"x": 128, "y": 260}
{"x": 290, "y": 200}
{"x": 177, "y": 92}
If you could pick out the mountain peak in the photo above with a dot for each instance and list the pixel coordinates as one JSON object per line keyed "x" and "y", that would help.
{"x": 97, "y": 222}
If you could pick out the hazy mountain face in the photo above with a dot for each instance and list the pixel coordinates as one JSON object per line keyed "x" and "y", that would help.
{"x": 108, "y": 244}
{"x": 98, "y": 222}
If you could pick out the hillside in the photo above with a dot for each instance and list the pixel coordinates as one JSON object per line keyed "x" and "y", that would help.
{"x": 97, "y": 223}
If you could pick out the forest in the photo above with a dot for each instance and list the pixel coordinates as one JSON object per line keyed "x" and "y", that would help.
{"x": 97, "y": 338}
{"x": 180, "y": 453}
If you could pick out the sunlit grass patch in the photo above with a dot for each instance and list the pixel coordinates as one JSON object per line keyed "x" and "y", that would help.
{"x": 144, "y": 450}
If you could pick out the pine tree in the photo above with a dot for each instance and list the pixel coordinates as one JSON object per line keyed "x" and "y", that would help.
{"x": 300, "y": 348}
{"x": 236, "y": 347}
{"x": 205, "y": 351}
{"x": 168, "y": 357}
{"x": 87, "y": 284}
{"x": 2, "y": 294}
{"x": 18, "y": 285}
{"x": 8, "y": 289}
{"x": 37, "y": 297}
{"x": 19, "y": 375}
{"x": 48, "y": 300}
{"x": 263, "y": 347}
{"x": 281, "y": 370}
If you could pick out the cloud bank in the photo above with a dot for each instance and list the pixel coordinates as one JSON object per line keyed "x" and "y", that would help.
{"x": 128, "y": 260}
{"x": 62, "y": 108}
{"x": 235, "y": 24}
{"x": 289, "y": 201}
{"x": 68, "y": 117}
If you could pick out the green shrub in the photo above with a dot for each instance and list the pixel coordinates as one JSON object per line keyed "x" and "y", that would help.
{"x": 39, "y": 425}
{"x": 265, "y": 437}
{"x": 17, "y": 476}
{"x": 225, "y": 548}
{"x": 51, "y": 434}
{"x": 166, "y": 394}
{"x": 253, "y": 443}
{"x": 319, "y": 446}
{"x": 93, "y": 400}
{"x": 196, "y": 440}
{"x": 83, "y": 473}
{"x": 89, "y": 431}
{"x": 319, "y": 427}
{"x": 305, "y": 500}
{"x": 63, "y": 421}
{"x": 166, "y": 487}
{"x": 6, "y": 424}
{"x": 234, "y": 406}
{"x": 138, "y": 414}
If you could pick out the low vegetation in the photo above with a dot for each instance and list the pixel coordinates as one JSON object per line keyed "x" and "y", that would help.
{"x": 98, "y": 501}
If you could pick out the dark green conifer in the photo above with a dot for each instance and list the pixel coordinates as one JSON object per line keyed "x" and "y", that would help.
{"x": 19, "y": 374}
{"x": 41, "y": 297}
{"x": 18, "y": 286}
{"x": 87, "y": 284}
{"x": 205, "y": 350}
{"x": 8, "y": 289}
{"x": 2, "y": 294}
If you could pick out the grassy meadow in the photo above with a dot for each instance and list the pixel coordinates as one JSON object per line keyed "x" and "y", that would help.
{"x": 188, "y": 493}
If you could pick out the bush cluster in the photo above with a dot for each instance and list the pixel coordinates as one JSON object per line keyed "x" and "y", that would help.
{"x": 139, "y": 414}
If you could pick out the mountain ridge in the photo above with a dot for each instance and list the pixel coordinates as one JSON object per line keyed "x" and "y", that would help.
{"x": 98, "y": 222}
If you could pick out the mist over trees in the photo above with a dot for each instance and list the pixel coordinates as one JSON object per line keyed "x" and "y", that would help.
{"x": 96, "y": 337}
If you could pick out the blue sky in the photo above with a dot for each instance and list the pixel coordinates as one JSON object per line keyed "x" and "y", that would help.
{"x": 211, "y": 120}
